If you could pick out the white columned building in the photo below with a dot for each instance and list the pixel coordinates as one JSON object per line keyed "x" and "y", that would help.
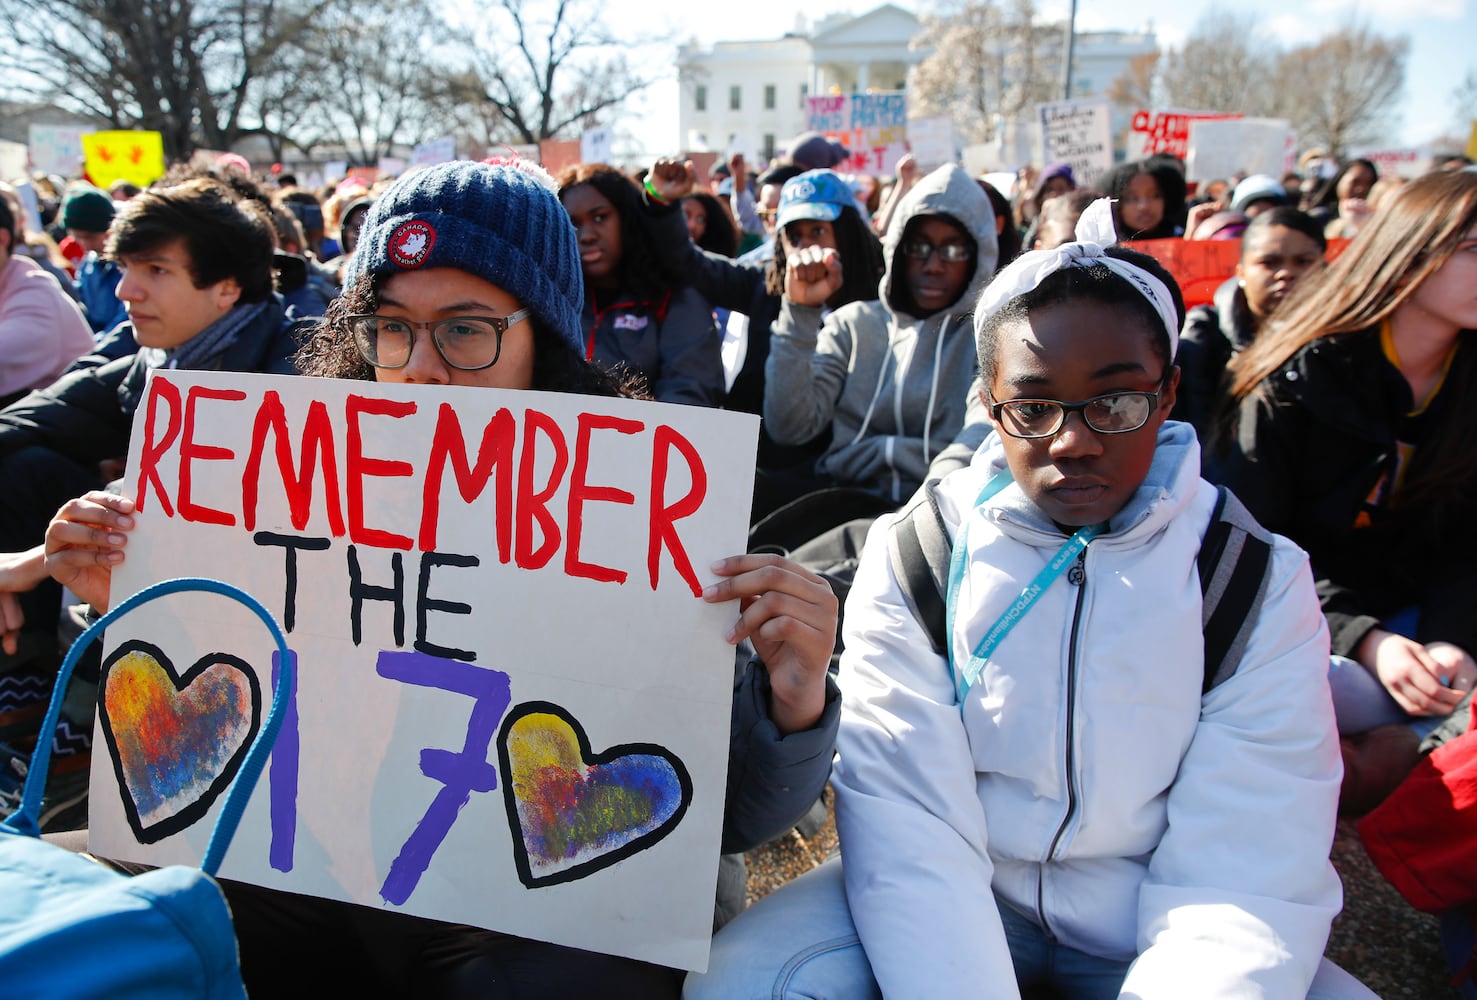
{"x": 749, "y": 96}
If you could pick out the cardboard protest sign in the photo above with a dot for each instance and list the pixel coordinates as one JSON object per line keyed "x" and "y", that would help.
{"x": 1079, "y": 133}
{"x": 136, "y": 157}
{"x": 1222, "y": 148}
{"x": 873, "y": 127}
{"x": 13, "y": 159}
{"x": 512, "y": 707}
{"x": 1164, "y": 132}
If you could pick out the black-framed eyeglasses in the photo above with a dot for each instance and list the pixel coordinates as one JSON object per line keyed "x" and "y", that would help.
{"x": 467, "y": 343}
{"x": 949, "y": 253}
{"x": 1110, "y": 413}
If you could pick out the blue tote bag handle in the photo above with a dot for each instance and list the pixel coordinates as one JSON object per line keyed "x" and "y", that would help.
{"x": 26, "y": 818}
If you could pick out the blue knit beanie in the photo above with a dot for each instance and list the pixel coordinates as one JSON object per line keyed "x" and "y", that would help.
{"x": 500, "y": 220}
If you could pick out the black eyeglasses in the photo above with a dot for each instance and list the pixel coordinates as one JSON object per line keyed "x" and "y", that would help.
{"x": 467, "y": 343}
{"x": 1110, "y": 413}
{"x": 949, "y": 253}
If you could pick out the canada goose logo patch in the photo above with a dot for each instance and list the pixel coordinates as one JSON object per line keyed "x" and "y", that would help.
{"x": 411, "y": 243}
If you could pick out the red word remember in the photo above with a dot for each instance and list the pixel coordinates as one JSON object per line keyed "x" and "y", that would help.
{"x": 529, "y": 529}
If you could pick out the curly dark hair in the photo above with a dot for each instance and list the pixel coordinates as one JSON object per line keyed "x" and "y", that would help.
{"x": 639, "y": 273}
{"x": 328, "y": 350}
{"x": 720, "y": 235}
{"x": 861, "y": 261}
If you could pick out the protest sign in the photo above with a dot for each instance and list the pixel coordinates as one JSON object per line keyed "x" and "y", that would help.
{"x": 512, "y": 706}
{"x": 13, "y": 160}
{"x": 1164, "y": 132}
{"x": 873, "y": 127}
{"x": 931, "y": 141}
{"x": 1222, "y": 148}
{"x": 559, "y": 154}
{"x": 136, "y": 157}
{"x": 597, "y": 145}
{"x": 435, "y": 151}
{"x": 1408, "y": 163}
{"x": 390, "y": 166}
{"x": 1202, "y": 266}
{"x": 1079, "y": 133}
{"x": 57, "y": 149}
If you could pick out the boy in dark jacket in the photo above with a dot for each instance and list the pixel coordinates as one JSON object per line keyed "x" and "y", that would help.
{"x": 196, "y": 265}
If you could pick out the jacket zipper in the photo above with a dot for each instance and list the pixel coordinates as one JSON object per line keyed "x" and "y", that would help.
{"x": 1077, "y": 576}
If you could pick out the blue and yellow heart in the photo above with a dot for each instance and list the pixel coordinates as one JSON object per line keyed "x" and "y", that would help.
{"x": 573, "y": 812}
{"x": 176, "y": 740}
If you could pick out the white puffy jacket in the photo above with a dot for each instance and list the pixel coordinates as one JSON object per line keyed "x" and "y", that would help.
{"x": 1087, "y": 781}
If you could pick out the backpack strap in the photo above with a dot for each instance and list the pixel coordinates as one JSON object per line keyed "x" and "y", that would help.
{"x": 919, "y": 548}
{"x": 1235, "y": 555}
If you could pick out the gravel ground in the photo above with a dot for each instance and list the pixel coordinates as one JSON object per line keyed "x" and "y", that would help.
{"x": 1392, "y": 948}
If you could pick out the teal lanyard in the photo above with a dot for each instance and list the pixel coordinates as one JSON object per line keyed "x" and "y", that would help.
{"x": 964, "y": 679}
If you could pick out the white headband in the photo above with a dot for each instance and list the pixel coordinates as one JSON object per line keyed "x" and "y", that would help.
{"x": 1094, "y": 232}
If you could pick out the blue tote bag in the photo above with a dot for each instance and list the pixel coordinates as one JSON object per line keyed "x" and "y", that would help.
{"x": 73, "y": 928}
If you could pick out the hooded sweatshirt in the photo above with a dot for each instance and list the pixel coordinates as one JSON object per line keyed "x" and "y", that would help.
{"x": 891, "y": 386}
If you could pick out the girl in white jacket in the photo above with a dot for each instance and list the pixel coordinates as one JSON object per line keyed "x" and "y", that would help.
{"x": 1056, "y": 805}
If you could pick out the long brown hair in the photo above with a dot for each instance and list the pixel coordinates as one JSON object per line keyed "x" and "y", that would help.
{"x": 1407, "y": 241}
{"x": 1415, "y": 233}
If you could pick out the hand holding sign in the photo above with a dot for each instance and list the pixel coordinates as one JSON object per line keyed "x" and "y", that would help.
{"x": 85, "y": 541}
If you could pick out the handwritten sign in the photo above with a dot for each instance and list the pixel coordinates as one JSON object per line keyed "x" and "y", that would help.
{"x": 56, "y": 149}
{"x": 1409, "y": 162}
{"x": 136, "y": 157}
{"x": 1221, "y": 148}
{"x": 512, "y": 707}
{"x": 1079, "y": 133}
{"x": 597, "y": 145}
{"x": 1165, "y": 132}
{"x": 873, "y": 127}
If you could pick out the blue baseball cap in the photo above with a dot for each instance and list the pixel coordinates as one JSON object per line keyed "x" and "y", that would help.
{"x": 815, "y": 194}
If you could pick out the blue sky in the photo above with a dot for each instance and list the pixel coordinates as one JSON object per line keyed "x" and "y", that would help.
{"x": 1442, "y": 33}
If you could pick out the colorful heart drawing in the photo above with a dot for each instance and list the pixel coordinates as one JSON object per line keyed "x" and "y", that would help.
{"x": 574, "y": 812}
{"x": 176, "y": 740}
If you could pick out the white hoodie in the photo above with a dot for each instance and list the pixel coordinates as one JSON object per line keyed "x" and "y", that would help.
{"x": 1087, "y": 782}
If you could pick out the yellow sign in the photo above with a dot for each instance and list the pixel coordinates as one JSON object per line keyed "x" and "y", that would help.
{"x": 1472, "y": 142}
{"x": 137, "y": 157}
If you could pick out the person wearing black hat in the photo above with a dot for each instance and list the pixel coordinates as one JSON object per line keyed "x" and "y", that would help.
{"x": 87, "y": 213}
{"x": 814, "y": 151}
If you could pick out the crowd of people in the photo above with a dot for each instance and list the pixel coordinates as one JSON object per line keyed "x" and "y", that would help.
{"x": 1054, "y": 798}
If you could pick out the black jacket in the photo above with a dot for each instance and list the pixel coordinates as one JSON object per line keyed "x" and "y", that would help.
{"x": 1212, "y": 334}
{"x": 1310, "y": 447}
{"x": 87, "y": 414}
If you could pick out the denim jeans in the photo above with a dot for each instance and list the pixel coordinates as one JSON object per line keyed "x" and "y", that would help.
{"x": 799, "y": 942}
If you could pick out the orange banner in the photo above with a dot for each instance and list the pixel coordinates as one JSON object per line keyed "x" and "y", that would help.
{"x": 1202, "y": 266}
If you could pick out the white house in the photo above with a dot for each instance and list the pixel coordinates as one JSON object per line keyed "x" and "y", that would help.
{"x": 749, "y": 96}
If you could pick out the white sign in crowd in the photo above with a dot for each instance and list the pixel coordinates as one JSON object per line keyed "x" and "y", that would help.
{"x": 511, "y": 708}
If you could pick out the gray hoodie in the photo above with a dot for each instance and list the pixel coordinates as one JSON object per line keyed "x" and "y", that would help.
{"x": 891, "y": 387}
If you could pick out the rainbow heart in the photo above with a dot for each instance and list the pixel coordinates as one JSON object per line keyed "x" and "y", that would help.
{"x": 176, "y": 740}
{"x": 573, "y": 812}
